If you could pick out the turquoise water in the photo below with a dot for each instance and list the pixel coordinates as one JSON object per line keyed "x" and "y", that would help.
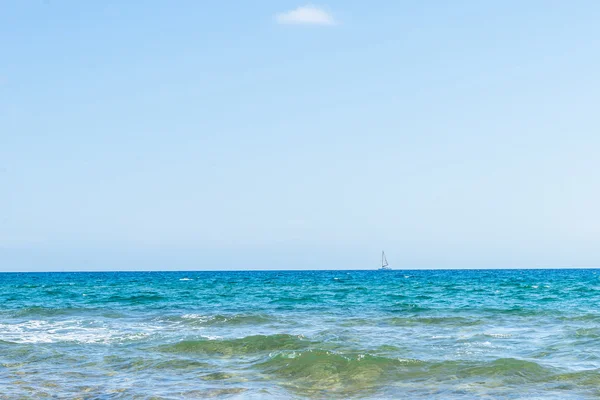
{"x": 329, "y": 334}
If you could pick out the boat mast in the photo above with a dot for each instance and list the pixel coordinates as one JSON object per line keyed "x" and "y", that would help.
{"x": 384, "y": 262}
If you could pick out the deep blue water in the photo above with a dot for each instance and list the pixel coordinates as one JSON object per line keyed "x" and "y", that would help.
{"x": 313, "y": 334}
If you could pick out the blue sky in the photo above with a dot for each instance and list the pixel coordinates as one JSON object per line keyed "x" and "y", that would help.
{"x": 282, "y": 134}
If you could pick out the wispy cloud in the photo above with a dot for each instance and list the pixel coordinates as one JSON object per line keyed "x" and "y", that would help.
{"x": 305, "y": 15}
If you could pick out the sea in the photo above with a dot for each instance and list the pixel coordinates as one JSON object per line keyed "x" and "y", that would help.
{"x": 436, "y": 334}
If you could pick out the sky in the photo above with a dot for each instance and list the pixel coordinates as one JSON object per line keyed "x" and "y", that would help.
{"x": 143, "y": 135}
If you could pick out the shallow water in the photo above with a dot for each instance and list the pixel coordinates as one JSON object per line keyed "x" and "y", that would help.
{"x": 346, "y": 334}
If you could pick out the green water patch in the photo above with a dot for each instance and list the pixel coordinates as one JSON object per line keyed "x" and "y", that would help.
{"x": 388, "y": 348}
{"x": 217, "y": 376}
{"x": 180, "y": 364}
{"x": 591, "y": 333}
{"x": 580, "y": 378}
{"x": 581, "y": 318}
{"x": 520, "y": 370}
{"x": 357, "y": 322}
{"x": 515, "y": 310}
{"x": 317, "y": 371}
{"x": 18, "y": 355}
{"x": 134, "y": 364}
{"x": 238, "y": 347}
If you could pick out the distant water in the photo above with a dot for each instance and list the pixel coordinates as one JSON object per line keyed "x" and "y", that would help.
{"x": 333, "y": 334}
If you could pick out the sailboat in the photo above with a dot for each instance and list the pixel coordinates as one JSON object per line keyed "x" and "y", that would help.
{"x": 384, "y": 263}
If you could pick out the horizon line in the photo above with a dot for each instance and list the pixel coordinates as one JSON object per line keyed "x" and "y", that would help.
{"x": 305, "y": 270}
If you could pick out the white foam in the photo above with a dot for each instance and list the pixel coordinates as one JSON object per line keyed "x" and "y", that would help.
{"x": 498, "y": 335}
{"x": 211, "y": 337}
{"x": 38, "y": 331}
{"x": 195, "y": 316}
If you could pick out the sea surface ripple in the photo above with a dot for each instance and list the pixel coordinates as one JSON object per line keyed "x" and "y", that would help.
{"x": 461, "y": 334}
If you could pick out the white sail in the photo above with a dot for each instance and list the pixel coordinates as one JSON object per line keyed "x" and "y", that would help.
{"x": 384, "y": 262}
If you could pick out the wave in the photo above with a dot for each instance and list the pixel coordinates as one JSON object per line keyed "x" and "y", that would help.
{"x": 581, "y": 318}
{"x": 520, "y": 311}
{"x": 219, "y": 319}
{"x": 412, "y": 307}
{"x": 304, "y": 361}
{"x": 48, "y": 312}
{"x": 135, "y": 299}
{"x": 452, "y": 321}
{"x": 119, "y": 363}
{"x": 399, "y": 297}
{"x": 317, "y": 370}
{"x": 107, "y": 313}
{"x": 593, "y": 333}
{"x": 233, "y": 347}
{"x": 356, "y": 322}
{"x": 40, "y": 312}
{"x": 214, "y": 393}
{"x": 583, "y": 378}
{"x": 314, "y": 371}
{"x": 74, "y": 331}
{"x": 507, "y": 368}
{"x": 295, "y": 300}
{"x": 217, "y": 376}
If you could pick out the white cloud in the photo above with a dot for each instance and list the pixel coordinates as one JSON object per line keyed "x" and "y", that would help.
{"x": 306, "y": 15}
